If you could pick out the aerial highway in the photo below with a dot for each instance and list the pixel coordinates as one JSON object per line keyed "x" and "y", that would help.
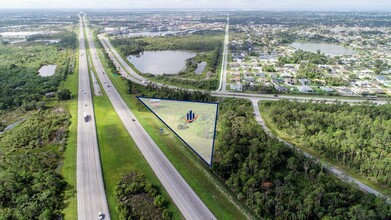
{"x": 223, "y": 76}
{"x": 181, "y": 193}
{"x": 91, "y": 197}
{"x": 129, "y": 73}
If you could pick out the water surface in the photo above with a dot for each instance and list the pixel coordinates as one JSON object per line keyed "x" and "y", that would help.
{"x": 327, "y": 48}
{"x": 159, "y": 62}
{"x": 47, "y": 70}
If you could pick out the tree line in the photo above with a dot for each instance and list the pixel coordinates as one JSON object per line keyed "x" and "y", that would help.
{"x": 277, "y": 182}
{"x": 358, "y": 137}
{"x": 300, "y": 55}
{"x": 195, "y": 42}
{"x": 152, "y": 90}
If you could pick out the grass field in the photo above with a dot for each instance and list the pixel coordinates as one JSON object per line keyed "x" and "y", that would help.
{"x": 68, "y": 169}
{"x": 265, "y": 113}
{"x": 196, "y": 173}
{"x": 198, "y": 134}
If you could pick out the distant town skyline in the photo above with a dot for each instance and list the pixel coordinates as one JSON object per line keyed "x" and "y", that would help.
{"x": 345, "y": 5}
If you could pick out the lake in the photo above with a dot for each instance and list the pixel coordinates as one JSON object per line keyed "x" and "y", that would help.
{"x": 159, "y": 62}
{"x": 47, "y": 70}
{"x": 327, "y": 48}
{"x": 200, "y": 68}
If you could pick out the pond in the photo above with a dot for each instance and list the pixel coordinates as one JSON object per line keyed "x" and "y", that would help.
{"x": 200, "y": 68}
{"x": 159, "y": 62}
{"x": 47, "y": 70}
{"x": 327, "y": 48}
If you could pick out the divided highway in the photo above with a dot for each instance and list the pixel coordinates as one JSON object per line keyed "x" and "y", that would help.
{"x": 223, "y": 79}
{"x": 183, "y": 196}
{"x": 91, "y": 197}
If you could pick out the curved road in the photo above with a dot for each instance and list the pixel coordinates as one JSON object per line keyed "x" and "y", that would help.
{"x": 91, "y": 197}
{"x": 181, "y": 193}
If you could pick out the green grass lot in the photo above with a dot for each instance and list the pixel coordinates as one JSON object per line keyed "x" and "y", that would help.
{"x": 265, "y": 113}
{"x": 196, "y": 173}
{"x": 68, "y": 169}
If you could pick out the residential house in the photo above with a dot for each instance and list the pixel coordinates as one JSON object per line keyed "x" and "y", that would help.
{"x": 304, "y": 81}
{"x": 249, "y": 79}
{"x": 290, "y": 81}
{"x": 381, "y": 79}
{"x": 262, "y": 80}
{"x": 236, "y": 86}
{"x": 305, "y": 89}
{"x": 281, "y": 88}
{"x": 277, "y": 81}
{"x": 326, "y": 89}
{"x": 286, "y": 75}
{"x": 362, "y": 83}
{"x": 235, "y": 79}
{"x": 260, "y": 74}
{"x": 235, "y": 73}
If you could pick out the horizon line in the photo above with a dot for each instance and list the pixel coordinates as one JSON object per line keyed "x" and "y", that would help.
{"x": 214, "y": 9}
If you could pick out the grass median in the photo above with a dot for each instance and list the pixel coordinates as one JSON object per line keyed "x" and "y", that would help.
{"x": 68, "y": 169}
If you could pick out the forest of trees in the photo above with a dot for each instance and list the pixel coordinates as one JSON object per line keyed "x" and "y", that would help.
{"x": 356, "y": 136}
{"x": 277, "y": 182}
{"x": 195, "y": 42}
{"x": 298, "y": 56}
{"x": 19, "y": 64}
{"x": 139, "y": 199}
{"x": 152, "y": 90}
{"x": 30, "y": 186}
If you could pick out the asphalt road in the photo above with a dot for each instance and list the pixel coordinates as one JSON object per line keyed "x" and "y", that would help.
{"x": 183, "y": 196}
{"x": 91, "y": 197}
{"x": 223, "y": 79}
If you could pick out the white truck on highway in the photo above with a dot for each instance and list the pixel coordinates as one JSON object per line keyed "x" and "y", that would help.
{"x": 86, "y": 117}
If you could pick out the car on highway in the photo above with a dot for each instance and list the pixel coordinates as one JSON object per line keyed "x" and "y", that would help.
{"x": 100, "y": 215}
{"x": 133, "y": 119}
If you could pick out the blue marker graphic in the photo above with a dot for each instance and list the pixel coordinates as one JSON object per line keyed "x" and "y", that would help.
{"x": 191, "y": 116}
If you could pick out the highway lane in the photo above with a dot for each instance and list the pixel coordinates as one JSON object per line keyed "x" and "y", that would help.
{"x": 181, "y": 193}
{"x": 91, "y": 197}
{"x": 223, "y": 79}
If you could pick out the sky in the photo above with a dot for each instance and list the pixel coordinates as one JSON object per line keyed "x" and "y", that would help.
{"x": 347, "y": 5}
